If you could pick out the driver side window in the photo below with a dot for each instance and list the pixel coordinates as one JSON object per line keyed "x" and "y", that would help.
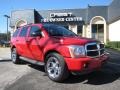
{"x": 35, "y": 30}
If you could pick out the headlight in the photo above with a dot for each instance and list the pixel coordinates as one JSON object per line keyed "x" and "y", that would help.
{"x": 76, "y": 51}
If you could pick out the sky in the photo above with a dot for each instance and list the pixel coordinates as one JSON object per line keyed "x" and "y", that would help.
{"x": 6, "y": 6}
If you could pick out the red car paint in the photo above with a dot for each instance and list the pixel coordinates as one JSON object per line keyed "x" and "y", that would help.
{"x": 36, "y": 48}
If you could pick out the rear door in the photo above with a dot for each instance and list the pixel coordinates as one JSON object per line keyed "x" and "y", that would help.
{"x": 22, "y": 47}
{"x": 15, "y": 37}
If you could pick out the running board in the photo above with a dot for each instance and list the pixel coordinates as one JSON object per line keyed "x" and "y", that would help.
{"x": 32, "y": 61}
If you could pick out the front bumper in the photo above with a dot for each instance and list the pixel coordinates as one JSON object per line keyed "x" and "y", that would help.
{"x": 85, "y": 63}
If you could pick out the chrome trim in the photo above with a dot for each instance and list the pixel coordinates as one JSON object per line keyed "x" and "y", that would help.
{"x": 95, "y": 50}
{"x": 96, "y": 56}
{"x": 98, "y": 49}
{"x": 32, "y": 61}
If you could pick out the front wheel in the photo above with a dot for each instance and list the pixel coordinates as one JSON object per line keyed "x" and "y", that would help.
{"x": 15, "y": 56}
{"x": 56, "y": 68}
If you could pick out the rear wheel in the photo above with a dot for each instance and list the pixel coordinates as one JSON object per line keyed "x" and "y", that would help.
{"x": 15, "y": 56}
{"x": 56, "y": 68}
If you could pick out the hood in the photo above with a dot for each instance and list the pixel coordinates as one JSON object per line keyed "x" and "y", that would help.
{"x": 74, "y": 40}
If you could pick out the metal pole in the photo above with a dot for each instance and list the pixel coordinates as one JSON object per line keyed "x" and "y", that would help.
{"x": 7, "y": 24}
{"x": 7, "y": 29}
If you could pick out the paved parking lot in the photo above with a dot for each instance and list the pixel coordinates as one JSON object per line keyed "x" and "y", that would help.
{"x": 9, "y": 73}
{"x": 31, "y": 77}
{"x": 5, "y": 53}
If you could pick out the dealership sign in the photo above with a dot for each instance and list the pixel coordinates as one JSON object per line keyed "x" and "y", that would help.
{"x": 61, "y": 17}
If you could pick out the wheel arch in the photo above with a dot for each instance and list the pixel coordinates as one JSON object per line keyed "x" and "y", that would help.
{"x": 48, "y": 52}
{"x": 12, "y": 47}
{"x": 64, "y": 69}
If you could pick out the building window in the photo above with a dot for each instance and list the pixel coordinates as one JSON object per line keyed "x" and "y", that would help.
{"x": 98, "y": 31}
{"x": 23, "y": 32}
{"x": 16, "y": 33}
{"x": 79, "y": 30}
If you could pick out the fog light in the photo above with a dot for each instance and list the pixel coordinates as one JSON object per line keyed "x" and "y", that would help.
{"x": 85, "y": 65}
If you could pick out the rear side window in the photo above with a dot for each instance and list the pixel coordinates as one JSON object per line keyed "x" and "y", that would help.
{"x": 35, "y": 29}
{"x": 23, "y": 32}
{"x": 16, "y": 33}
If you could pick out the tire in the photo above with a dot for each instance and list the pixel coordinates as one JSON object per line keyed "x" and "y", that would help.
{"x": 15, "y": 56}
{"x": 56, "y": 68}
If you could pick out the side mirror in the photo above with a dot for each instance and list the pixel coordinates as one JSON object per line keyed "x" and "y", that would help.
{"x": 34, "y": 34}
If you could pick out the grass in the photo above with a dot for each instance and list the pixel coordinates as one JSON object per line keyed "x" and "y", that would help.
{"x": 107, "y": 46}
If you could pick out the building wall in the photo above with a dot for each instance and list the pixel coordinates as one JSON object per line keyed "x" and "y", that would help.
{"x": 20, "y": 18}
{"x": 114, "y": 20}
{"x": 110, "y": 14}
{"x": 87, "y": 31}
{"x": 114, "y": 31}
{"x": 25, "y": 15}
{"x": 94, "y": 11}
{"x": 76, "y": 12}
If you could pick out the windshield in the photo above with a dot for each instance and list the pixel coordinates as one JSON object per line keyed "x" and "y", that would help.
{"x": 55, "y": 30}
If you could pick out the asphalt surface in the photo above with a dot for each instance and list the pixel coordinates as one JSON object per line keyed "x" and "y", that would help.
{"x": 32, "y": 77}
{"x": 9, "y": 72}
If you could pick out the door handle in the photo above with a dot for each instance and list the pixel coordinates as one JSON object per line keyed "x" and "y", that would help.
{"x": 27, "y": 40}
{"x": 17, "y": 40}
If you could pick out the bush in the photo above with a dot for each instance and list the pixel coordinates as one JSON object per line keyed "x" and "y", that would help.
{"x": 114, "y": 44}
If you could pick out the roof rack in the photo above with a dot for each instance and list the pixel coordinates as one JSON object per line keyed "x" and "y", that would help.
{"x": 29, "y": 24}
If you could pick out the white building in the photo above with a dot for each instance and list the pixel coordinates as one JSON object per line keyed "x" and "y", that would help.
{"x": 99, "y": 22}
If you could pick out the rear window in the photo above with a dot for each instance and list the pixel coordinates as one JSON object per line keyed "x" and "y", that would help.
{"x": 23, "y": 32}
{"x": 15, "y": 33}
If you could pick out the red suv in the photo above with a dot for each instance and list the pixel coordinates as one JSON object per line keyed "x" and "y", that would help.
{"x": 60, "y": 50}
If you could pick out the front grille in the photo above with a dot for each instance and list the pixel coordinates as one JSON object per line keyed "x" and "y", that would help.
{"x": 94, "y": 49}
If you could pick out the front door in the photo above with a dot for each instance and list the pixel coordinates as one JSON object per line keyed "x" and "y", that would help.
{"x": 98, "y": 31}
{"x": 35, "y": 48}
